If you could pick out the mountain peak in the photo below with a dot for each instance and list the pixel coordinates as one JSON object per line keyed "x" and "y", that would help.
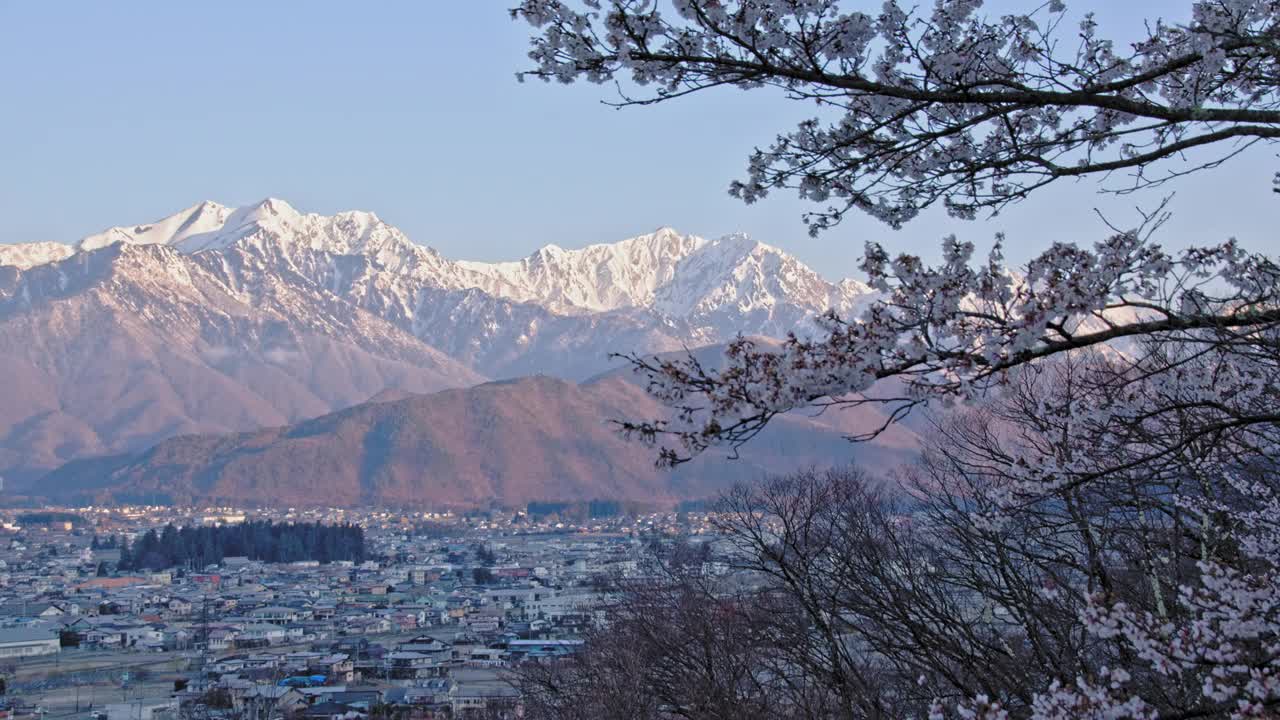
{"x": 206, "y": 206}
{"x": 271, "y": 213}
{"x": 742, "y": 244}
{"x": 551, "y": 250}
{"x": 171, "y": 230}
{"x": 275, "y": 207}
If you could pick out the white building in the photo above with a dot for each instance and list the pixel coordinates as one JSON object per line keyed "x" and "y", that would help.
{"x": 28, "y": 641}
{"x": 262, "y": 632}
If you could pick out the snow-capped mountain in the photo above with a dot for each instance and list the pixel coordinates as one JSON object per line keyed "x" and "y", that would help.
{"x": 114, "y": 349}
{"x": 225, "y": 319}
{"x": 662, "y": 290}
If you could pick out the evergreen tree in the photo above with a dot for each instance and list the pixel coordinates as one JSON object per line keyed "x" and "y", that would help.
{"x": 170, "y": 547}
{"x": 257, "y": 540}
{"x": 126, "y": 555}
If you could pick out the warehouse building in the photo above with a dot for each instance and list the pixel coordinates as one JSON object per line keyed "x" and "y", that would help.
{"x": 28, "y": 641}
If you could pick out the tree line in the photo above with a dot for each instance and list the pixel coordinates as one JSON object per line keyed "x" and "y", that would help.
{"x": 583, "y": 510}
{"x": 48, "y": 517}
{"x": 261, "y": 540}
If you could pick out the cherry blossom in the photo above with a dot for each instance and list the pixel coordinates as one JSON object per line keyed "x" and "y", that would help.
{"x": 942, "y": 107}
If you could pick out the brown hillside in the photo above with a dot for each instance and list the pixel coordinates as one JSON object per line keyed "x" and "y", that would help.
{"x": 534, "y": 438}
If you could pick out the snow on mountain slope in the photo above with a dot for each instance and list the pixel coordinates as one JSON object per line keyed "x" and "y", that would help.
{"x": 738, "y": 282}
{"x": 346, "y": 233}
{"x": 206, "y": 217}
{"x": 28, "y": 255}
{"x": 680, "y": 276}
{"x": 739, "y": 272}
{"x": 557, "y": 310}
{"x": 597, "y": 278}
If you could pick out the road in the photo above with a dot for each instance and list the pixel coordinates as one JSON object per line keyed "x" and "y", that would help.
{"x": 75, "y": 678}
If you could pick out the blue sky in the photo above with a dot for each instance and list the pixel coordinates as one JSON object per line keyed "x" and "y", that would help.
{"x": 117, "y": 113}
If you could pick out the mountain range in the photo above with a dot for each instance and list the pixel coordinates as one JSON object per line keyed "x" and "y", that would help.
{"x": 217, "y": 321}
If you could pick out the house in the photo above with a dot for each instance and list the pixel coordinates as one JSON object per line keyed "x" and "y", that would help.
{"x": 361, "y": 698}
{"x": 220, "y": 639}
{"x": 426, "y": 695}
{"x": 338, "y": 667}
{"x": 261, "y": 634}
{"x": 175, "y": 637}
{"x": 410, "y": 665}
{"x": 329, "y": 711}
{"x": 439, "y": 652}
{"x": 42, "y": 610}
{"x": 78, "y": 625}
{"x": 266, "y": 700}
{"x": 102, "y": 637}
{"x": 497, "y": 701}
{"x": 534, "y": 649}
{"x": 405, "y": 621}
{"x": 486, "y": 657}
{"x": 275, "y": 614}
{"x": 141, "y": 635}
{"x": 422, "y": 577}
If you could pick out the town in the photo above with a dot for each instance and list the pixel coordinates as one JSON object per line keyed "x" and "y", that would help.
{"x": 428, "y": 624}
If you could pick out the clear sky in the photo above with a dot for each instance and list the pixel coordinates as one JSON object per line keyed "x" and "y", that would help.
{"x": 119, "y": 113}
